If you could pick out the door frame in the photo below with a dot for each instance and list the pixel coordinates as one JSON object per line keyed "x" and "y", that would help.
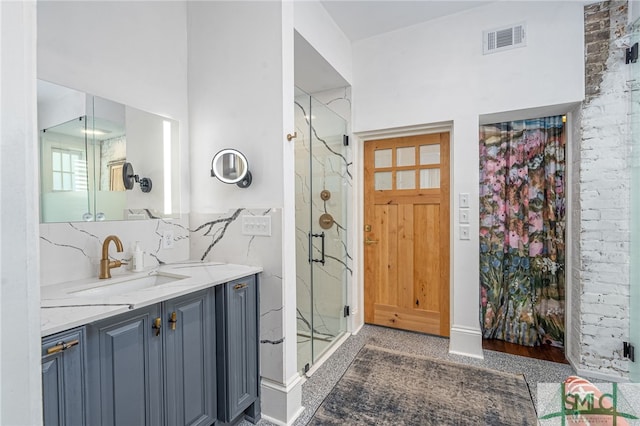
{"x": 355, "y": 296}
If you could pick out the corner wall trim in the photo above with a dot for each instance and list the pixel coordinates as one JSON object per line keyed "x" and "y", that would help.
{"x": 466, "y": 341}
{"x": 281, "y": 404}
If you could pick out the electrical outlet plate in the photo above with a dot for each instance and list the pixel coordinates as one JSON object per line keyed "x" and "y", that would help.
{"x": 464, "y": 232}
{"x": 256, "y": 225}
{"x": 167, "y": 239}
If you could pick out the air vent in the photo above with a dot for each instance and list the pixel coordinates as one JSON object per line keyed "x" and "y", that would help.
{"x": 504, "y": 38}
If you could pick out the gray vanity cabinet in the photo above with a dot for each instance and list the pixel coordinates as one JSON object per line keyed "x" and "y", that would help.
{"x": 155, "y": 365}
{"x": 192, "y": 360}
{"x": 189, "y": 352}
{"x": 237, "y": 349}
{"x": 125, "y": 369}
{"x": 63, "y": 378}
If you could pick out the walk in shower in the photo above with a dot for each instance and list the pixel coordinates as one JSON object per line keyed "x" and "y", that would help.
{"x": 323, "y": 183}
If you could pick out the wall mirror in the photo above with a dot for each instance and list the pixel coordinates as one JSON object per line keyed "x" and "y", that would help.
{"x": 231, "y": 166}
{"x": 85, "y": 142}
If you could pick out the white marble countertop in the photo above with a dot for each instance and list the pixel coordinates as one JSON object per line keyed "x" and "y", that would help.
{"x": 71, "y": 304}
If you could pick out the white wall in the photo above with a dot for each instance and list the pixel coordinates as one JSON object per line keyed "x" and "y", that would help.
{"x": 241, "y": 96}
{"x": 634, "y": 10}
{"x": 436, "y": 72}
{"x": 130, "y": 52}
{"x": 235, "y": 100}
{"x": 429, "y": 72}
{"x": 314, "y": 23}
{"x": 20, "y": 379}
{"x": 602, "y": 255}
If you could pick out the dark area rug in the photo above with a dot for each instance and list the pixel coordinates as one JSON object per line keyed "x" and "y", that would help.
{"x": 384, "y": 387}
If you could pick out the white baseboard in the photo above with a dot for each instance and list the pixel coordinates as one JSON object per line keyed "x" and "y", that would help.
{"x": 589, "y": 374}
{"x": 357, "y": 329}
{"x": 281, "y": 404}
{"x": 466, "y": 341}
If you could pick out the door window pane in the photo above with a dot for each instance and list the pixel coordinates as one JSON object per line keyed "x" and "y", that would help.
{"x": 406, "y": 156}
{"x": 429, "y": 154}
{"x": 430, "y": 178}
{"x": 382, "y": 180}
{"x": 382, "y": 158}
{"x": 406, "y": 179}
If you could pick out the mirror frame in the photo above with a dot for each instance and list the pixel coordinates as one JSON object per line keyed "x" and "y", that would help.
{"x": 243, "y": 180}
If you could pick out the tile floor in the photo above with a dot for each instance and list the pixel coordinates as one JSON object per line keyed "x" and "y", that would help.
{"x": 318, "y": 386}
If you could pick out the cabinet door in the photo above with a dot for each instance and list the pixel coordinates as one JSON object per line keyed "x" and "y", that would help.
{"x": 63, "y": 379}
{"x": 52, "y": 390}
{"x": 237, "y": 327}
{"x": 190, "y": 359}
{"x": 125, "y": 370}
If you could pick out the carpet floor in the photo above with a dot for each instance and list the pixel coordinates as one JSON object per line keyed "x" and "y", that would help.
{"x": 385, "y": 387}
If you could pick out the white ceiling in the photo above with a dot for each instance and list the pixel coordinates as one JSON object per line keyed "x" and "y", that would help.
{"x": 361, "y": 19}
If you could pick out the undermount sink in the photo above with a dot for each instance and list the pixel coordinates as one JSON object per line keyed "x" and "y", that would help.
{"x": 112, "y": 288}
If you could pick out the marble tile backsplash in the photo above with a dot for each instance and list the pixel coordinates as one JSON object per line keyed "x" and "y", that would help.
{"x": 71, "y": 250}
{"x": 219, "y": 238}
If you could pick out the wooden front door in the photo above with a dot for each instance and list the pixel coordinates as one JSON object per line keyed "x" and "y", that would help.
{"x": 406, "y": 247}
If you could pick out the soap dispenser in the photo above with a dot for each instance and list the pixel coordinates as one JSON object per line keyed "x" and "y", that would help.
{"x": 138, "y": 258}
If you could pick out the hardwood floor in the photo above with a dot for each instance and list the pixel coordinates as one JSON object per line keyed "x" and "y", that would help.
{"x": 543, "y": 352}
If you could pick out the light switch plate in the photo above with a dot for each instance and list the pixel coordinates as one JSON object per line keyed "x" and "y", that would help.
{"x": 464, "y": 199}
{"x": 464, "y": 232}
{"x": 256, "y": 225}
{"x": 464, "y": 216}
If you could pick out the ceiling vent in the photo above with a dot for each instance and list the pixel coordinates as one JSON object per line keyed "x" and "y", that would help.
{"x": 504, "y": 38}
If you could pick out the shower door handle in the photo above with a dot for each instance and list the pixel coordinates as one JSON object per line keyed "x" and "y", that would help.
{"x": 311, "y": 236}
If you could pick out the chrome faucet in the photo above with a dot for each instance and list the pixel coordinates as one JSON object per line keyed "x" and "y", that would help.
{"x": 105, "y": 263}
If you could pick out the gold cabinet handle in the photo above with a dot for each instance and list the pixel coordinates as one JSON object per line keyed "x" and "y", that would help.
{"x": 62, "y": 346}
{"x": 173, "y": 320}
{"x": 157, "y": 325}
{"x": 240, "y": 286}
{"x": 369, "y": 241}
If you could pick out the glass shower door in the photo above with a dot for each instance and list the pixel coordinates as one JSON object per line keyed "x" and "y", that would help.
{"x": 321, "y": 217}
{"x": 634, "y": 308}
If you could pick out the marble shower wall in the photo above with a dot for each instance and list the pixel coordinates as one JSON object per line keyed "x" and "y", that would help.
{"x": 338, "y": 101}
{"x": 219, "y": 238}
{"x": 320, "y": 148}
{"x": 71, "y": 250}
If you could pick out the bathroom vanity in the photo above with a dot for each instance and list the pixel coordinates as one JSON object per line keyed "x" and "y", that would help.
{"x": 175, "y": 345}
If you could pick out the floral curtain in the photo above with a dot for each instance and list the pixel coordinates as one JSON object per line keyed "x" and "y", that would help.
{"x": 522, "y": 227}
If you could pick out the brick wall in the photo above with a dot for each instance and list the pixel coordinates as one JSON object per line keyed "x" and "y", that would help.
{"x": 601, "y": 234}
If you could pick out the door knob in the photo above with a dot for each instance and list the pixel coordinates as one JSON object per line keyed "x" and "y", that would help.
{"x": 369, "y": 241}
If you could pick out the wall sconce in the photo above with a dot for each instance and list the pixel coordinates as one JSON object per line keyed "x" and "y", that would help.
{"x": 231, "y": 166}
{"x": 129, "y": 178}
